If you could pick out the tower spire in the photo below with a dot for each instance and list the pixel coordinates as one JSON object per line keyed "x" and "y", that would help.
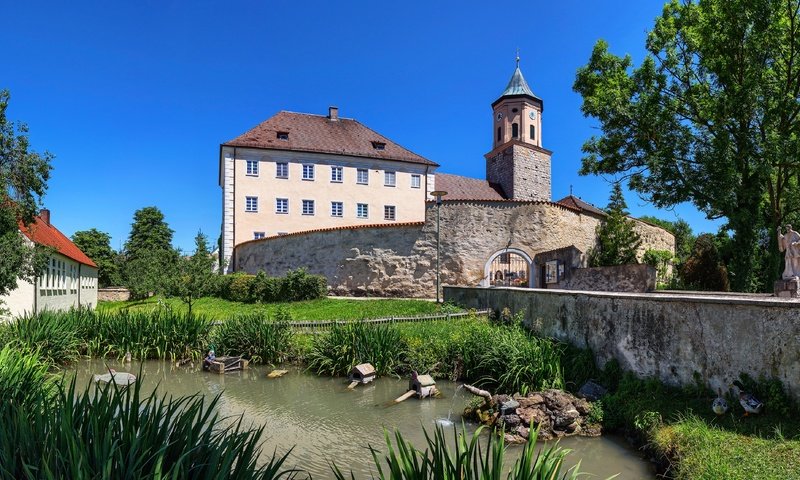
{"x": 517, "y": 57}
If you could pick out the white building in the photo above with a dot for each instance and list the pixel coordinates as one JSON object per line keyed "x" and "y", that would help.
{"x": 69, "y": 280}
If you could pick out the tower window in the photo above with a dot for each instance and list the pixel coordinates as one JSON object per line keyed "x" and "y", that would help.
{"x": 533, "y": 132}
{"x": 499, "y": 133}
{"x": 379, "y": 145}
{"x": 515, "y": 130}
{"x": 283, "y": 135}
{"x": 514, "y": 110}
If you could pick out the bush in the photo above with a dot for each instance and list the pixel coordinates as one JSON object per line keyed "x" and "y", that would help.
{"x": 240, "y": 288}
{"x": 295, "y": 286}
{"x": 255, "y": 337}
{"x": 349, "y": 344}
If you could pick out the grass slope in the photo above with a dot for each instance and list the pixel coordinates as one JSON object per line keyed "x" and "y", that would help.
{"x": 320, "y": 309}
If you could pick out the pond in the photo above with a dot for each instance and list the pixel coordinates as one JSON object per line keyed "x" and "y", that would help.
{"x": 326, "y": 422}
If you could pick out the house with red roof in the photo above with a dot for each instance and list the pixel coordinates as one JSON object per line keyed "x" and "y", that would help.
{"x": 68, "y": 281}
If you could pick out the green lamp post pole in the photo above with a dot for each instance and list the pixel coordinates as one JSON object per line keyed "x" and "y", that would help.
{"x": 438, "y": 194}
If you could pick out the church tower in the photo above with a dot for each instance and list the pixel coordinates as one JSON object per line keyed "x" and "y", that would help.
{"x": 518, "y": 163}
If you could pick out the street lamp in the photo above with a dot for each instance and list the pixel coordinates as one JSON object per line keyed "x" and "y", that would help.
{"x": 438, "y": 194}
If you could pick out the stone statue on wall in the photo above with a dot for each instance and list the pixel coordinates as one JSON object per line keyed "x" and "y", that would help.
{"x": 790, "y": 243}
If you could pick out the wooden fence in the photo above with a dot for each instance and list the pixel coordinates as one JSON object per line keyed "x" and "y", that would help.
{"x": 322, "y": 326}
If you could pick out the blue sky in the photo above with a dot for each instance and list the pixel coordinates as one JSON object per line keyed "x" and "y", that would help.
{"x": 134, "y": 98}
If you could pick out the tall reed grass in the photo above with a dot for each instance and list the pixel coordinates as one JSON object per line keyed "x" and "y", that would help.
{"x": 24, "y": 377}
{"x": 467, "y": 460}
{"x": 52, "y": 334}
{"x": 254, "y": 336}
{"x": 113, "y": 432}
{"x": 347, "y": 345}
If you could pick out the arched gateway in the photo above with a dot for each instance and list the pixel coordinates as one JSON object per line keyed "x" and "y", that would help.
{"x": 509, "y": 267}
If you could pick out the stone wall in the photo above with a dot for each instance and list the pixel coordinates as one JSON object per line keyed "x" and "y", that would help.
{"x": 400, "y": 260}
{"x": 523, "y": 171}
{"x": 113, "y": 294}
{"x": 666, "y": 336}
{"x": 620, "y": 278}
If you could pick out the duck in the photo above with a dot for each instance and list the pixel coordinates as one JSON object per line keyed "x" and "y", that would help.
{"x": 720, "y": 405}
{"x": 748, "y": 401}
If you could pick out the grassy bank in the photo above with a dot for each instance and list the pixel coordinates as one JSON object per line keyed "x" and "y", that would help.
{"x": 320, "y": 309}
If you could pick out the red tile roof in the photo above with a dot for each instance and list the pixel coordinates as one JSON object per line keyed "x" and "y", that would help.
{"x": 317, "y": 133}
{"x": 45, "y": 234}
{"x": 575, "y": 202}
{"x": 465, "y": 188}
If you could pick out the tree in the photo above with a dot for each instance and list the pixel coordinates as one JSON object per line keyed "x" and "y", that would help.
{"x": 23, "y": 182}
{"x": 150, "y": 260}
{"x": 195, "y": 273}
{"x": 711, "y": 116}
{"x": 704, "y": 269}
{"x": 617, "y": 241}
{"x": 97, "y": 246}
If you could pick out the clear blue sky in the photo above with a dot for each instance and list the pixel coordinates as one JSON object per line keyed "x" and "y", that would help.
{"x": 134, "y": 98}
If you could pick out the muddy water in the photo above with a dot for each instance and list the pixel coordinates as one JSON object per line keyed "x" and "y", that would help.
{"x": 325, "y": 422}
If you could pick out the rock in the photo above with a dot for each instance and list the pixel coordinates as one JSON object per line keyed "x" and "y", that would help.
{"x": 556, "y": 399}
{"x": 582, "y": 406}
{"x": 572, "y": 427}
{"x": 533, "y": 399}
{"x": 500, "y": 399}
{"x": 509, "y": 406}
{"x": 513, "y": 439}
{"x": 564, "y": 418}
{"x": 592, "y": 391}
{"x": 277, "y": 373}
{"x": 523, "y": 432}
{"x": 511, "y": 421}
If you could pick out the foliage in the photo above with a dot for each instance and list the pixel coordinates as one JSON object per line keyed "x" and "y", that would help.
{"x": 660, "y": 260}
{"x": 23, "y": 181}
{"x": 195, "y": 275}
{"x": 52, "y": 334}
{"x": 703, "y": 269}
{"x": 117, "y": 432}
{"x": 256, "y": 337}
{"x": 617, "y": 241}
{"x": 296, "y": 285}
{"x": 349, "y": 344}
{"x": 709, "y": 117}
{"x": 680, "y": 229}
{"x": 468, "y": 460}
{"x": 97, "y": 246}
{"x": 23, "y": 376}
{"x": 150, "y": 260}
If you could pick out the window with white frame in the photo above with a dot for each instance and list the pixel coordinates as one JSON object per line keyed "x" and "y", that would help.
{"x": 388, "y": 212}
{"x": 336, "y": 174}
{"x": 308, "y": 207}
{"x": 308, "y": 171}
{"x": 337, "y": 209}
{"x": 252, "y": 168}
{"x": 362, "y": 176}
{"x": 362, "y": 210}
{"x": 250, "y": 204}
{"x": 282, "y": 170}
{"x": 281, "y": 205}
{"x": 389, "y": 179}
{"x": 416, "y": 181}
{"x": 258, "y": 235}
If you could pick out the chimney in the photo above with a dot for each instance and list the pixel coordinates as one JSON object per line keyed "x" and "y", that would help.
{"x": 45, "y": 215}
{"x": 333, "y": 113}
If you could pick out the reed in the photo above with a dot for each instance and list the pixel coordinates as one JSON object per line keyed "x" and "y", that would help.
{"x": 114, "y": 432}
{"x": 52, "y": 334}
{"x": 467, "y": 460}
{"x": 24, "y": 377}
{"x": 254, "y": 336}
{"x": 349, "y": 344}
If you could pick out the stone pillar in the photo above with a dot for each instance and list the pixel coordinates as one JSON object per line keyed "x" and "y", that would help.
{"x": 787, "y": 288}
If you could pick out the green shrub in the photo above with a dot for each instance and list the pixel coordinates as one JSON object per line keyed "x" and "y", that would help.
{"x": 240, "y": 288}
{"x": 255, "y": 337}
{"x": 295, "y": 286}
{"x": 349, "y": 344}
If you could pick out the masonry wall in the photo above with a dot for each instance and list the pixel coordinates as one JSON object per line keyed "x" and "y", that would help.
{"x": 669, "y": 337}
{"x": 400, "y": 260}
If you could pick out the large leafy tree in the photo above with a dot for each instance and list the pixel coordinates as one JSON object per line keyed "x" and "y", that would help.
{"x": 617, "y": 240}
{"x": 195, "y": 273}
{"x": 711, "y": 116}
{"x": 23, "y": 181}
{"x": 97, "y": 245}
{"x": 150, "y": 260}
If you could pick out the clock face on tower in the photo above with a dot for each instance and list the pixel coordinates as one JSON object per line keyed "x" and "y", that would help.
{"x": 499, "y": 116}
{"x": 532, "y": 115}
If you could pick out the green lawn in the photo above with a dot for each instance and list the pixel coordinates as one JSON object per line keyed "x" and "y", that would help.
{"x": 321, "y": 309}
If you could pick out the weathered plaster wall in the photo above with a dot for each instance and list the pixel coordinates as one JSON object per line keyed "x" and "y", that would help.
{"x": 113, "y": 294}
{"x": 400, "y": 260}
{"x": 620, "y": 278}
{"x": 662, "y": 335}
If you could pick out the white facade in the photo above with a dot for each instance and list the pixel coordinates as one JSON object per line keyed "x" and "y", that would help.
{"x": 64, "y": 284}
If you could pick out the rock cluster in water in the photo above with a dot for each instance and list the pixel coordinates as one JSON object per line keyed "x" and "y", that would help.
{"x": 556, "y": 413}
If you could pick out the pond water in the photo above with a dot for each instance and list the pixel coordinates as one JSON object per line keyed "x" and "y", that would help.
{"x": 326, "y": 422}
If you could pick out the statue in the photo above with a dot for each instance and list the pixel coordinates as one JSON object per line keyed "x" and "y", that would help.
{"x": 790, "y": 243}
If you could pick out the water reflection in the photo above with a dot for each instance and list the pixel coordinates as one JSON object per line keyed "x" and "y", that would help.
{"x": 326, "y": 422}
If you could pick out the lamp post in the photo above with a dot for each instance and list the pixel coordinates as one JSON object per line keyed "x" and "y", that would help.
{"x": 438, "y": 194}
